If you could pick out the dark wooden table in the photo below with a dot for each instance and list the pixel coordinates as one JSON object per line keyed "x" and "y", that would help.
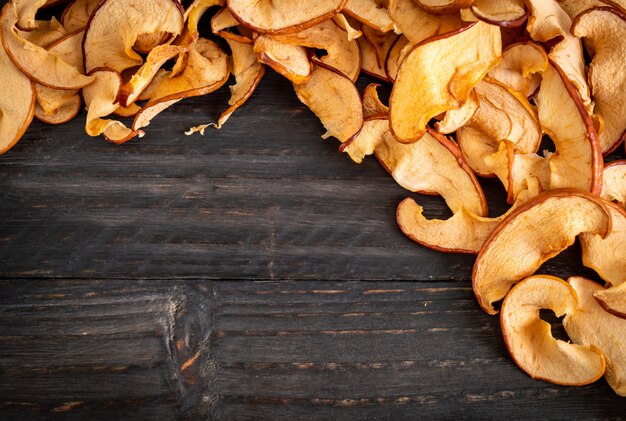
{"x": 253, "y": 273}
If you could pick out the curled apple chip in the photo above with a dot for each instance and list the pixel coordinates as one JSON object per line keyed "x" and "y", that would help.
{"x": 578, "y": 162}
{"x": 444, "y": 7}
{"x": 46, "y": 33}
{"x": 372, "y": 13}
{"x": 505, "y": 13}
{"x": 607, "y": 256}
{"x": 67, "y": 111}
{"x": 433, "y": 165}
{"x": 463, "y": 232}
{"x": 524, "y": 241}
{"x": 590, "y": 325}
{"x": 529, "y": 338}
{"x": 401, "y": 46}
{"x": 605, "y": 29}
{"x": 26, "y": 11}
{"x": 206, "y": 70}
{"x": 342, "y": 54}
{"x": 521, "y": 67}
{"x": 334, "y": 99}
{"x": 103, "y": 48}
{"x": 417, "y": 24}
{"x": 455, "y": 119}
{"x": 282, "y": 17}
{"x": 349, "y": 25}
{"x": 17, "y": 103}
{"x": 37, "y": 63}
{"x": 375, "y": 47}
{"x": 613, "y": 300}
{"x": 76, "y": 14}
{"x": 462, "y": 58}
{"x": 291, "y": 61}
{"x": 374, "y": 131}
{"x": 614, "y": 182}
{"x": 575, "y": 7}
{"x": 372, "y": 105}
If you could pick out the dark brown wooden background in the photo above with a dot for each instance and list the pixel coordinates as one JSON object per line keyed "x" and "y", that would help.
{"x": 253, "y": 273}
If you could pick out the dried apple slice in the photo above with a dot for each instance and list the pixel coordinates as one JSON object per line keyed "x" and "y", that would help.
{"x": 371, "y": 103}
{"x": 529, "y": 338}
{"x": 76, "y": 14}
{"x": 334, "y": 99}
{"x": 613, "y": 300}
{"x": 505, "y": 13}
{"x": 369, "y": 60}
{"x": 417, "y": 24}
{"x": 67, "y": 111}
{"x": 374, "y": 131}
{"x": 206, "y": 71}
{"x": 272, "y": 17}
{"x": 464, "y": 232}
{"x": 578, "y": 162}
{"x": 462, "y": 58}
{"x": 26, "y": 11}
{"x": 434, "y": 165}
{"x": 575, "y": 7}
{"x": 342, "y": 54}
{"x": 372, "y": 13}
{"x": 375, "y": 47}
{"x": 455, "y": 119}
{"x": 524, "y": 241}
{"x": 291, "y": 61}
{"x": 592, "y": 326}
{"x": 17, "y": 103}
{"x": 47, "y": 33}
{"x": 103, "y": 48}
{"x": 398, "y": 50}
{"x": 223, "y": 20}
{"x": 444, "y": 7}
{"x": 521, "y": 67}
{"x": 614, "y": 182}
{"x": 605, "y": 29}
{"x": 607, "y": 256}
{"x": 37, "y": 63}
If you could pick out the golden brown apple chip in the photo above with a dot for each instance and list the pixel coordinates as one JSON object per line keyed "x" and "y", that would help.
{"x": 521, "y": 67}
{"x": 103, "y": 48}
{"x": 373, "y": 13}
{"x": 462, "y": 58}
{"x": 371, "y": 103}
{"x": 374, "y": 131}
{"x": 291, "y": 61}
{"x": 223, "y": 20}
{"x": 76, "y": 14}
{"x": 464, "y": 232}
{"x": 592, "y": 326}
{"x": 505, "y": 13}
{"x": 26, "y": 11}
{"x": 417, "y": 24}
{"x": 433, "y": 165}
{"x": 37, "y": 63}
{"x": 575, "y": 7}
{"x": 613, "y": 300}
{"x": 529, "y": 338}
{"x": 398, "y": 50}
{"x": 349, "y": 25}
{"x": 605, "y": 30}
{"x": 444, "y": 7}
{"x": 282, "y": 17}
{"x": 17, "y": 103}
{"x": 342, "y": 54}
{"x": 578, "y": 162}
{"x": 206, "y": 71}
{"x": 47, "y": 33}
{"x": 455, "y": 119}
{"x": 67, "y": 111}
{"x": 524, "y": 240}
{"x": 334, "y": 99}
{"x": 607, "y": 256}
{"x": 375, "y": 47}
{"x": 614, "y": 182}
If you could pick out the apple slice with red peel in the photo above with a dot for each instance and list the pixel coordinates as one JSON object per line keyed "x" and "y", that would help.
{"x": 371, "y": 103}
{"x": 464, "y": 232}
{"x": 370, "y": 12}
{"x": 291, "y": 61}
{"x": 476, "y": 146}
{"x": 103, "y": 48}
{"x": 575, "y": 7}
{"x": 605, "y": 30}
{"x": 534, "y": 233}
{"x": 521, "y": 67}
{"x": 206, "y": 70}
{"x": 614, "y": 182}
{"x": 590, "y": 325}
{"x": 444, "y": 7}
{"x": 17, "y": 103}
{"x": 613, "y": 300}
{"x": 578, "y": 162}
{"x": 529, "y": 338}
{"x": 433, "y": 165}
{"x": 607, "y": 256}
{"x": 334, "y": 99}
{"x": 369, "y": 60}
{"x": 342, "y": 54}
{"x": 417, "y": 24}
{"x": 398, "y": 50}
{"x": 375, "y": 47}
{"x": 67, "y": 111}
{"x": 374, "y": 131}
{"x": 455, "y": 119}
{"x": 283, "y": 17}
{"x": 76, "y": 14}
{"x": 37, "y": 63}
{"x": 463, "y": 57}
{"x": 505, "y": 13}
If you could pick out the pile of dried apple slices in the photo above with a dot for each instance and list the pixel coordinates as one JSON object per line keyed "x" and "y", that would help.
{"x": 477, "y": 85}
